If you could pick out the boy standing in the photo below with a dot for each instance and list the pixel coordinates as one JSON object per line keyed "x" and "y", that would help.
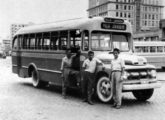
{"x": 89, "y": 66}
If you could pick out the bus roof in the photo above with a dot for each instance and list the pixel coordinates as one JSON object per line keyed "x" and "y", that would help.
{"x": 80, "y": 23}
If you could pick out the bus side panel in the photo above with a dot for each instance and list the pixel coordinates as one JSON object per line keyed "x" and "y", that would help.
{"x": 47, "y": 64}
{"x": 51, "y": 77}
{"x": 14, "y": 65}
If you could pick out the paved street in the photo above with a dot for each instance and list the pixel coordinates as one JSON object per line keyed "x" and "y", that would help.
{"x": 20, "y": 101}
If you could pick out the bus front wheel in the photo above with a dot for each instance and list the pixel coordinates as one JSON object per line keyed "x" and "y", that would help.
{"x": 37, "y": 83}
{"x": 143, "y": 95}
{"x": 104, "y": 89}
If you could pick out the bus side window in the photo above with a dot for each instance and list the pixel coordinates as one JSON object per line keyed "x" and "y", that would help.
{"x": 20, "y": 37}
{"x": 159, "y": 48}
{"x": 32, "y": 41}
{"x": 25, "y": 41}
{"x": 86, "y": 40}
{"x": 15, "y": 43}
{"x": 54, "y": 41}
{"x": 63, "y": 40}
{"x": 75, "y": 40}
{"x": 153, "y": 49}
{"x": 46, "y": 41}
{"x": 39, "y": 41}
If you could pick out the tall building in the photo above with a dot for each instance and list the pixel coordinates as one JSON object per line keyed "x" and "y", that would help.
{"x": 15, "y": 27}
{"x": 143, "y": 14}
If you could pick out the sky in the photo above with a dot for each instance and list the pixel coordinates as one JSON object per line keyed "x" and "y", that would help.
{"x": 38, "y": 11}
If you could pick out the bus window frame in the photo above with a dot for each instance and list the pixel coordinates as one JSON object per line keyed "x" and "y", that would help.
{"x": 46, "y": 37}
{"x": 128, "y": 39}
{"x": 63, "y": 47}
{"x": 54, "y": 47}
{"x": 83, "y": 40}
{"x": 99, "y": 42}
{"x": 15, "y": 39}
{"x": 73, "y": 46}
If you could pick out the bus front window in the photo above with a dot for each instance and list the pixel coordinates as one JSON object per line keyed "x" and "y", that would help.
{"x": 121, "y": 42}
{"x": 101, "y": 41}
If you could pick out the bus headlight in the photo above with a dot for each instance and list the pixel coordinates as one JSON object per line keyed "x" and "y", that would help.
{"x": 153, "y": 73}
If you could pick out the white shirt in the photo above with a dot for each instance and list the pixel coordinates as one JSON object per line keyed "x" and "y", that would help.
{"x": 66, "y": 62}
{"x": 90, "y": 66}
{"x": 117, "y": 64}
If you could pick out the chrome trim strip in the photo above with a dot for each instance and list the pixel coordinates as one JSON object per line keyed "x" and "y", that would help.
{"x": 40, "y": 69}
{"x": 59, "y": 72}
{"x": 25, "y": 67}
{"x": 14, "y": 65}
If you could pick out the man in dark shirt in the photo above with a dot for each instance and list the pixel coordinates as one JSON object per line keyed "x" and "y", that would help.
{"x": 75, "y": 66}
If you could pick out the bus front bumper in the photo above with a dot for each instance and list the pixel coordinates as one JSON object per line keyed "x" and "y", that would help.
{"x": 130, "y": 87}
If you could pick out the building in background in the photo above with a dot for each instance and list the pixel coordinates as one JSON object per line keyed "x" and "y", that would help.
{"x": 6, "y": 46}
{"x": 15, "y": 27}
{"x": 143, "y": 14}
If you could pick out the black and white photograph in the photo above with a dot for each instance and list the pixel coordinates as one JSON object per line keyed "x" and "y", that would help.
{"x": 82, "y": 60}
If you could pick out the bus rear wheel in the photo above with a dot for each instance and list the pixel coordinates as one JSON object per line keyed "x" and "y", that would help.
{"x": 143, "y": 95}
{"x": 37, "y": 83}
{"x": 104, "y": 89}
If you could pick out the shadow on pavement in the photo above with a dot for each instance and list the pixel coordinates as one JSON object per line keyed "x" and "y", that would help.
{"x": 76, "y": 94}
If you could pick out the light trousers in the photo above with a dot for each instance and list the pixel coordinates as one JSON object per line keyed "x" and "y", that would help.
{"x": 117, "y": 87}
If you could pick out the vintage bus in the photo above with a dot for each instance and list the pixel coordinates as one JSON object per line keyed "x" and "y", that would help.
{"x": 154, "y": 52}
{"x": 38, "y": 50}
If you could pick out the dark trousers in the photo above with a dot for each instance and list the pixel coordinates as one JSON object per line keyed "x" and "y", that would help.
{"x": 88, "y": 85}
{"x": 76, "y": 75}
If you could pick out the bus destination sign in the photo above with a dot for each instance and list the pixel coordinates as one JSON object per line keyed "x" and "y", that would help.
{"x": 113, "y": 26}
{"x": 114, "y": 20}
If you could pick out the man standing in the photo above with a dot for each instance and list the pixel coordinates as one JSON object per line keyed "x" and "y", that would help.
{"x": 75, "y": 67}
{"x": 117, "y": 67}
{"x": 65, "y": 69}
{"x": 89, "y": 67}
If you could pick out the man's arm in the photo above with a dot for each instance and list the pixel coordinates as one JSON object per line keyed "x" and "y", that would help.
{"x": 99, "y": 62}
{"x": 84, "y": 65}
{"x": 122, "y": 67}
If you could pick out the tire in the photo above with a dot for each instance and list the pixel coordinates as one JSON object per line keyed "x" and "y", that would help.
{"x": 143, "y": 95}
{"x": 37, "y": 83}
{"x": 104, "y": 89}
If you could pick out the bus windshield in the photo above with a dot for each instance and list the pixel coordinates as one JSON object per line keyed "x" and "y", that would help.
{"x": 121, "y": 42}
{"x": 101, "y": 41}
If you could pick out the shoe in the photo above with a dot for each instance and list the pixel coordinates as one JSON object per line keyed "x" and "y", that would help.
{"x": 90, "y": 102}
{"x": 114, "y": 105}
{"x": 84, "y": 100}
{"x": 118, "y": 106}
{"x": 64, "y": 95}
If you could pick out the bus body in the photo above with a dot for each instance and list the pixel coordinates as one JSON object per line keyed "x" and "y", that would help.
{"x": 154, "y": 52}
{"x": 38, "y": 50}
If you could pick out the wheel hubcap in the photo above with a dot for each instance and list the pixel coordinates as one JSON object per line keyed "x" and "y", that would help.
{"x": 105, "y": 89}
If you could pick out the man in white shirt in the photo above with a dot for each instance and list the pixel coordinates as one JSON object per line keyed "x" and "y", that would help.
{"x": 89, "y": 67}
{"x": 117, "y": 67}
